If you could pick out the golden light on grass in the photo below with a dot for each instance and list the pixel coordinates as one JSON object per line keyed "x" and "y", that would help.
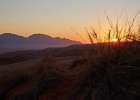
{"x": 114, "y": 40}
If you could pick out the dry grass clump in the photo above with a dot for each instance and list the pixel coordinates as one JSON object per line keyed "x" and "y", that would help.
{"x": 37, "y": 85}
{"x": 34, "y": 80}
{"x": 6, "y": 86}
{"x": 76, "y": 62}
{"x": 45, "y": 75}
{"x": 114, "y": 66}
{"x": 9, "y": 79}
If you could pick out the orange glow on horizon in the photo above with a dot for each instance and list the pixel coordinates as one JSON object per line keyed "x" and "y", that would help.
{"x": 56, "y": 18}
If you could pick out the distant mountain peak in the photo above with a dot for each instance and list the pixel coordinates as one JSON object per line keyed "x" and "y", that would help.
{"x": 39, "y": 35}
{"x": 10, "y": 36}
{"x": 7, "y": 34}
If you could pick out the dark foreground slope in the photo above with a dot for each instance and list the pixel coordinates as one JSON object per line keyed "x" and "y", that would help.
{"x": 76, "y": 72}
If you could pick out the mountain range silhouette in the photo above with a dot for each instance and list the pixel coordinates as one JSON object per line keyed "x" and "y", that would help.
{"x": 34, "y": 41}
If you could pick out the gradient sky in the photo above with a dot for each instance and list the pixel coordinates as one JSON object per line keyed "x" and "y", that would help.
{"x": 56, "y": 17}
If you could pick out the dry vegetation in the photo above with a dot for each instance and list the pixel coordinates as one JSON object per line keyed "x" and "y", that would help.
{"x": 103, "y": 71}
{"x": 29, "y": 82}
{"x": 114, "y": 66}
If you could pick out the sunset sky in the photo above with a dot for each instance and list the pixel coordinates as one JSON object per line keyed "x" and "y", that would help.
{"x": 56, "y": 17}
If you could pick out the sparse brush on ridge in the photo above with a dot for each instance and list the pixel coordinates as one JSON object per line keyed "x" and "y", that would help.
{"x": 115, "y": 70}
{"x": 47, "y": 62}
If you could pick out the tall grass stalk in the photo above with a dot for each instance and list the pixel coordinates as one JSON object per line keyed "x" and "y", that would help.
{"x": 114, "y": 65}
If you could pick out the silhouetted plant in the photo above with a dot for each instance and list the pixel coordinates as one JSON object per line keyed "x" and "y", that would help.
{"x": 115, "y": 69}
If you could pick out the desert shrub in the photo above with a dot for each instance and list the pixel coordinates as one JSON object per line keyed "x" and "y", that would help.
{"x": 47, "y": 62}
{"x": 76, "y": 62}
